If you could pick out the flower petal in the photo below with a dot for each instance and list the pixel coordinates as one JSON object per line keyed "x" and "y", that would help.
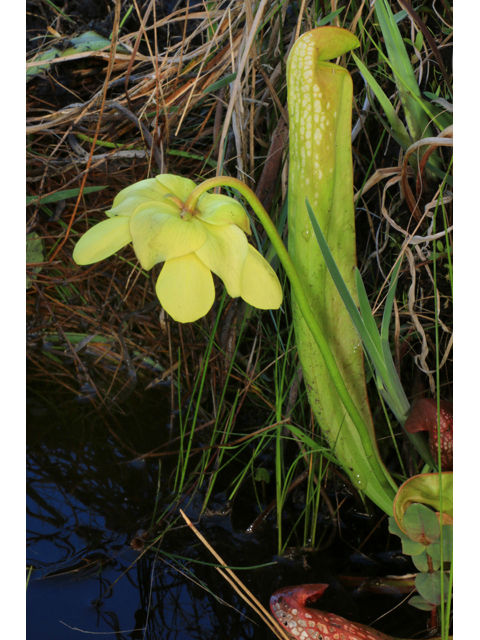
{"x": 158, "y": 236}
{"x": 221, "y": 210}
{"x": 139, "y": 193}
{"x": 185, "y": 288}
{"x": 224, "y": 252}
{"x": 260, "y": 285}
{"x": 102, "y": 240}
{"x": 180, "y": 187}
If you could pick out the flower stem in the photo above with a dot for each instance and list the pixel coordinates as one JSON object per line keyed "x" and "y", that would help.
{"x": 301, "y": 299}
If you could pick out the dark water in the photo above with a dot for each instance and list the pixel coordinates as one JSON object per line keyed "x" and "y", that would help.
{"x": 90, "y": 493}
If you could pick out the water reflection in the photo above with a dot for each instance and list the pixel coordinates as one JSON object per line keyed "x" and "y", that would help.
{"x": 87, "y": 497}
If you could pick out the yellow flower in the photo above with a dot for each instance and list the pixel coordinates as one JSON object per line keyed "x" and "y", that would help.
{"x": 151, "y": 215}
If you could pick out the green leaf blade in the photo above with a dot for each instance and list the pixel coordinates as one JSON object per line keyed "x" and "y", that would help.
{"x": 63, "y": 195}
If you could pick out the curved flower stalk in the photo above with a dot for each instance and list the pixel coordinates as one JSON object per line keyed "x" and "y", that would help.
{"x": 320, "y": 107}
{"x": 192, "y": 242}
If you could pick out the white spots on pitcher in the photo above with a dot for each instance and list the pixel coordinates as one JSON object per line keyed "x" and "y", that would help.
{"x": 311, "y": 120}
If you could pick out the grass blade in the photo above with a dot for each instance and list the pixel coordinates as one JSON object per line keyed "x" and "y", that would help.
{"x": 399, "y": 130}
{"x": 62, "y": 195}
